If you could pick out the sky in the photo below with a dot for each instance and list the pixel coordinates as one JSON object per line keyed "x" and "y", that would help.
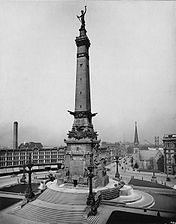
{"x": 132, "y": 68}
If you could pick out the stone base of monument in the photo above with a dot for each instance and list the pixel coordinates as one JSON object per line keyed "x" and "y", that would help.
{"x": 64, "y": 203}
{"x": 100, "y": 182}
{"x": 60, "y": 181}
{"x": 134, "y": 198}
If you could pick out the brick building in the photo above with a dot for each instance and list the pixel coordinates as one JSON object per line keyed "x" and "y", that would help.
{"x": 13, "y": 159}
{"x": 169, "y": 153}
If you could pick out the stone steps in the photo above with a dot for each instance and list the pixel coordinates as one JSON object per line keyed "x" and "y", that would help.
{"x": 145, "y": 202}
{"x": 136, "y": 196}
{"x": 48, "y": 215}
{"x": 57, "y": 197}
{"x": 101, "y": 217}
{"x": 138, "y": 199}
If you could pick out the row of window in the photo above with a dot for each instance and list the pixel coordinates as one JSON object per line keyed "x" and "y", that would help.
{"x": 170, "y": 145}
{"x": 33, "y": 157}
{"x": 22, "y": 162}
{"x": 34, "y": 153}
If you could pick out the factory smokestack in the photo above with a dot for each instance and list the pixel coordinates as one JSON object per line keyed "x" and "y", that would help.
{"x": 15, "y": 135}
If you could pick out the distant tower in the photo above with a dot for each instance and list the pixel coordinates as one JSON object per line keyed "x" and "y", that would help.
{"x": 15, "y": 135}
{"x": 136, "y": 140}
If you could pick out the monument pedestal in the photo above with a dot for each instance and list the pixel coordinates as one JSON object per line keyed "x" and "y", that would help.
{"x": 77, "y": 159}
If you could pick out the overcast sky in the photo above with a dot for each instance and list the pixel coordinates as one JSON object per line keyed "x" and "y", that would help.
{"x": 132, "y": 68}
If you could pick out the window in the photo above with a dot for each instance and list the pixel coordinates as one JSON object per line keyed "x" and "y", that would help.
{"x": 9, "y": 154}
{"x": 47, "y": 153}
{"x": 54, "y": 152}
{"x": 81, "y": 65}
{"x": 80, "y": 79}
{"x": 15, "y": 158}
{"x": 35, "y": 153}
{"x": 54, "y": 160}
{"x": 22, "y": 153}
{"x": 80, "y": 106}
{"x": 47, "y": 161}
{"x": 16, "y": 153}
{"x": 80, "y": 92}
{"x": 15, "y": 163}
{"x": 2, "y": 164}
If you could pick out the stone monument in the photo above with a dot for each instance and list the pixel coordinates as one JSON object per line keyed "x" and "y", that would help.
{"x": 82, "y": 140}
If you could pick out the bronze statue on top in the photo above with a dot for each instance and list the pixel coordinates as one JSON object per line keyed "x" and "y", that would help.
{"x": 81, "y": 17}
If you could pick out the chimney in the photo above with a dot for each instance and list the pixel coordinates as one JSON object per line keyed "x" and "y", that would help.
{"x": 15, "y": 135}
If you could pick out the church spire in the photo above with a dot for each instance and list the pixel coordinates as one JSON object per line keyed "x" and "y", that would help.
{"x": 136, "y": 140}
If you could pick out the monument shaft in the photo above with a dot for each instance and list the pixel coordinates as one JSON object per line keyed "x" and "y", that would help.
{"x": 82, "y": 93}
{"x": 82, "y": 139}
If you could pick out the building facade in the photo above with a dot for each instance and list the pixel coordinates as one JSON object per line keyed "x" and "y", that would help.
{"x": 149, "y": 160}
{"x": 41, "y": 156}
{"x": 169, "y": 142}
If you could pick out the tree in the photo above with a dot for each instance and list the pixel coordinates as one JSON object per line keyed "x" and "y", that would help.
{"x": 160, "y": 164}
{"x": 136, "y": 166}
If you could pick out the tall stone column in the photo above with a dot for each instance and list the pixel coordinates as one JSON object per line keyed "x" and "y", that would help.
{"x": 82, "y": 136}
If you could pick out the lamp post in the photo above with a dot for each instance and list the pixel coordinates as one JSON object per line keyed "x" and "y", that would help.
{"x": 23, "y": 179}
{"x": 117, "y": 175}
{"x": 29, "y": 193}
{"x": 91, "y": 198}
{"x": 167, "y": 177}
